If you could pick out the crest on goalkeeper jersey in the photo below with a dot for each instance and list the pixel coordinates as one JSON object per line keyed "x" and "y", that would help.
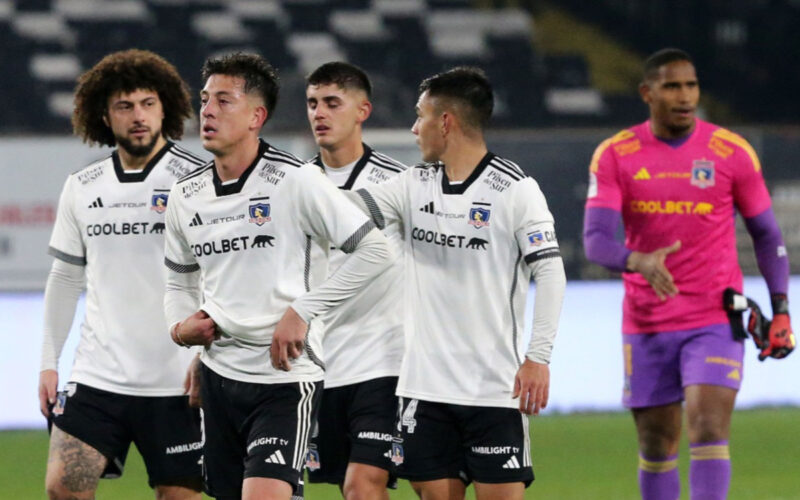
{"x": 703, "y": 173}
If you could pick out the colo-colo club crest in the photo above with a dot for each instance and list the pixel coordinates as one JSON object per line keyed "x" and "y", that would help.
{"x": 259, "y": 213}
{"x": 703, "y": 173}
{"x": 158, "y": 202}
{"x": 479, "y": 217}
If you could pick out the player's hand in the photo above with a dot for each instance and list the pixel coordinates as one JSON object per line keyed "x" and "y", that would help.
{"x": 288, "y": 340}
{"x": 197, "y": 329}
{"x": 48, "y": 386}
{"x": 532, "y": 387}
{"x": 191, "y": 384}
{"x": 780, "y": 340}
{"x": 651, "y": 266}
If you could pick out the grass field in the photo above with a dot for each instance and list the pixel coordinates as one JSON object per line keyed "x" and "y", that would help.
{"x": 586, "y": 456}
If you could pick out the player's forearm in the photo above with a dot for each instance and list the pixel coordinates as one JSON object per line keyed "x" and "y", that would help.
{"x": 773, "y": 261}
{"x": 551, "y": 283}
{"x": 371, "y": 257}
{"x": 181, "y": 297}
{"x": 64, "y": 286}
{"x": 599, "y": 241}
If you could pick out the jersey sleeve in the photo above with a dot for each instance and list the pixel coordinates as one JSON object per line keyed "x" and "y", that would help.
{"x": 749, "y": 189}
{"x": 534, "y": 228}
{"x": 604, "y": 189}
{"x": 326, "y": 213}
{"x": 178, "y": 255}
{"x": 66, "y": 242}
{"x": 386, "y": 202}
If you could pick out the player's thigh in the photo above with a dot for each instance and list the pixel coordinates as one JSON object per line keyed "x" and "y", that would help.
{"x": 712, "y": 356}
{"x": 658, "y": 429}
{"x": 440, "y": 489}
{"x": 262, "y": 488}
{"x": 708, "y": 412}
{"x": 652, "y": 370}
{"x": 167, "y": 433}
{"x": 371, "y": 420}
{"x": 175, "y": 492}
{"x": 365, "y": 481}
{"x": 97, "y": 418}
{"x": 73, "y": 467}
{"x": 504, "y": 491}
{"x": 496, "y": 444}
{"x": 329, "y": 448}
{"x": 427, "y": 443}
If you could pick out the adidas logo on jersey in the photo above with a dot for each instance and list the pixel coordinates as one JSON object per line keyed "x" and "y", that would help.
{"x": 642, "y": 175}
{"x": 512, "y": 463}
{"x": 427, "y": 208}
{"x": 275, "y": 458}
{"x": 98, "y": 203}
{"x": 196, "y": 220}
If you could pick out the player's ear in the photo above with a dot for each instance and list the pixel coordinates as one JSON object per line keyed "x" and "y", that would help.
{"x": 105, "y": 119}
{"x": 447, "y": 122}
{"x": 644, "y": 92}
{"x": 260, "y": 115}
{"x": 364, "y": 110}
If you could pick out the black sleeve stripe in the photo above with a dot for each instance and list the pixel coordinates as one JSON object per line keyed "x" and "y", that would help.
{"x": 197, "y": 172}
{"x": 287, "y": 157}
{"x": 547, "y": 253}
{"x": 511, "y": 165}
{"x": 389, "y": 159}
{"x": 181, "y": 268}
{"x": 292, "y": 162}
{"x": 387, "y": 163}
{"x": 372, "y": 206}
{"x": 350, "y": 245}
{"x": 187, "y": 156}
{"x": 510, "y": 174}
{"x": 69, "y": 259}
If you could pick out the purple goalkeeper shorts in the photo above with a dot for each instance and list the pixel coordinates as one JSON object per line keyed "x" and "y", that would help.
{"x": 659, "y": 365}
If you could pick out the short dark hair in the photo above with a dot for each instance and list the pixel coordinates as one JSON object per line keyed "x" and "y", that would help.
{"x": 125, "y": 72}
{"x": 662, "y": 57}
{"x": 465, "y": 85}
{"x": 345, "y": 75}
{"x": 258, "y": 75}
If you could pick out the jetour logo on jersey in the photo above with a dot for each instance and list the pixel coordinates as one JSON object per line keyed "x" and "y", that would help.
{"x": 702, "y": 173}
{"x": 478, "y": 216}
{"x": 158, "y": 202}
{"x": 259, "y": 212}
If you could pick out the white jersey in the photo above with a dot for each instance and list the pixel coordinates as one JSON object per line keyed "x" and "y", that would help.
{"x": 467, "y": 246}
{"x": 112, "y": 222}
{"x": 259, "y": 243}
{"x": 364, "y": 335}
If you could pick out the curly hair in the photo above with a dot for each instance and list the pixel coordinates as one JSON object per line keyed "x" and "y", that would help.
{"x": 127, "y": 71}
{"x": 259, "y": 76}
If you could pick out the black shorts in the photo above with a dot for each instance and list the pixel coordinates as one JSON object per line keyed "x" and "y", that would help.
{"x": 355, "y": 424}
{"x": 472, "y": 443}
{"x": 165, "y": 430}
{"x": 255, "y": 430}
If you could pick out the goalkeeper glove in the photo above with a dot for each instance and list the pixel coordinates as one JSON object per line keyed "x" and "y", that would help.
{"x": 779, "y": 340}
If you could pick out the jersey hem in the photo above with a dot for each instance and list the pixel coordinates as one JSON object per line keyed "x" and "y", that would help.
{"x": 257, "y": 379}
{"x": 674, "y": 328}
{"x": 361, "y": 378}
{"x": 126, "y": 391}
{"x": 434, "y": 398}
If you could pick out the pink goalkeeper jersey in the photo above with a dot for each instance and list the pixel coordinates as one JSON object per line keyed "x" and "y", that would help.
{"x": 688, "y": 193}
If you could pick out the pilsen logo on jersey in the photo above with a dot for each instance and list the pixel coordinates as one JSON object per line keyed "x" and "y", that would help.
{"x": 702, "y": 173}
{"x": 479, "y": 217}
{"x": 158, "y": 202}
{"x": 259, "y": 212}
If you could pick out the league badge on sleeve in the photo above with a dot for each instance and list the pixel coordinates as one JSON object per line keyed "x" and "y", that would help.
{"x": 259, "y": 213}
{"x": 158, "y": 202}
{"x": 479, "y": 217}
{"x": 536, "y": 238}
{"x": 702, "y": 173}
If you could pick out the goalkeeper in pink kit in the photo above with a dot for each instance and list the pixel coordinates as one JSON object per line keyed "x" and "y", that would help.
{"x": 676, "y": 183}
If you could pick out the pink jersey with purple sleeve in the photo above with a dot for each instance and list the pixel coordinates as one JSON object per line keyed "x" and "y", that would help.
{"x": 689, "y": 193}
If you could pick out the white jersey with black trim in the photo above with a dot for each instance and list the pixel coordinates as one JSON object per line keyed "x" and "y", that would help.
{"x": 364, "y": 335}
{"x": 467, "y": 247}
{"x": 259, "y": 243}
{"x": 112, "y": 222}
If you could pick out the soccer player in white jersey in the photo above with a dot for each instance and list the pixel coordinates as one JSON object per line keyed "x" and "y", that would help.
{"x": 126, "y": 383}
{"x": 363, "y": 339}
{"x": 248, "y": 235}
{"x": 476, "y": 229}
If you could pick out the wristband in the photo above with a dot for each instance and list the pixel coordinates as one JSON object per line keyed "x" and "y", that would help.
{"x": 780, "y": 304}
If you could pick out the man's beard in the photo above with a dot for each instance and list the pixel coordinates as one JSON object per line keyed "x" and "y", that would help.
{"x": 138, "y": 150}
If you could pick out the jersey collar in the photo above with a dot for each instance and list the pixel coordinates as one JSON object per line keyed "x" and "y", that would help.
{"x": 138, "y": 176}
{"x": 236, "y": 187}
{"x": 357, "y": 168}
{"x": 447, "y": 188}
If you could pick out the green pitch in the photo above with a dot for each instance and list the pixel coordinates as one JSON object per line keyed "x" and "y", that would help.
{"x": 588, "y": 456}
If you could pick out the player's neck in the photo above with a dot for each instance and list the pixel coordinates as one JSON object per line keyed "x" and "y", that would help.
{"x": 664, "y": 132}
{"x": 461, "y": 158}
{"x": 131, "y": 162}
{"x": 343, "y": 154}
{"x": 230, "y": 165}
